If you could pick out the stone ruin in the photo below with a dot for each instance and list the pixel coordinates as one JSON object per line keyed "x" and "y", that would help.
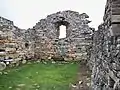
{"x": 11, "y": 42}
{"x": 105, "y": 52}
{"x": 43, "y": 42}
{"x": 47, "y": 43}
{"x": 100, "y": 48}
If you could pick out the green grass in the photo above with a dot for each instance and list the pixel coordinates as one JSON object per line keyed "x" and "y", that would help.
{"x": 39, "y": 76}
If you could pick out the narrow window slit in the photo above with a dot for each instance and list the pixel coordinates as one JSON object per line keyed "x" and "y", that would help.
{"x": 62, "y": 31}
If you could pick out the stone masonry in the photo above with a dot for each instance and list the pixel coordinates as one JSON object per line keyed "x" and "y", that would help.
{"x": 44, "y": 36}
{"x": 42, "y": 41}
{"x": 105, "y": 52}
{"x": 100, "y": 48}
{"x": 11, "y": 42}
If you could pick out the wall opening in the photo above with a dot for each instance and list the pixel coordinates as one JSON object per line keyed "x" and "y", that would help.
{"x": 62, "y": 31}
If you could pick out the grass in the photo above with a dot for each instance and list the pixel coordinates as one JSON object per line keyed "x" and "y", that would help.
{"x": 39, "y": 76}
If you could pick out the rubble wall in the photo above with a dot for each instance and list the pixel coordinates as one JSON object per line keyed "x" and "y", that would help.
{"x": 11, "y": 42}
{"x": 105, "y": 53}
{"x": 46, "y": 41}
{"x": 43, "y": 42}
{"x": 100, "y": 48}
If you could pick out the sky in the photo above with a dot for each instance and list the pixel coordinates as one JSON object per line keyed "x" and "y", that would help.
{"x": 26, "y": 13}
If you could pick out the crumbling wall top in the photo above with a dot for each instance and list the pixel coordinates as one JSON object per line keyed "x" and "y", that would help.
{"x": 4, "y": 21}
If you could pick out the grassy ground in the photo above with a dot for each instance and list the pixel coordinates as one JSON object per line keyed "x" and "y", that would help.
{"x": 39, "y": 76}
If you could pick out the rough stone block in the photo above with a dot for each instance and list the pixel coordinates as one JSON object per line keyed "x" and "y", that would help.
{"x": 115, "y": 19}
{"x": 115, "y": 31}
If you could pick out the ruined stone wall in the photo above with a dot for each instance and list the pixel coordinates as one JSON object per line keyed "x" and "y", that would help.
{"x": 102, "y": 47}
{"x": 45, "y": 36}
{"x": 11, "y": 42}
{"x": 105, "y": 53}
{"x": 4, "y": 21}
{"x": 42, "y": 41}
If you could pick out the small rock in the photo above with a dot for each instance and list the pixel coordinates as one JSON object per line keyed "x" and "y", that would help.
{"x": 7, "y": 63}
{"x": 38, "y": 61}
{"x": 49, "y": 57}
{"x": 88, "y": 79}
{"x": 10, "y": 87}
{"x": 74, "y": 86}
{"x": 88, "y": 84}
{"x": 53, "y": 62}
{"x": 24, "y": 62}
{"x": 21, "y": 85}
{"x": 45, "y": 62}
{"x": 80, "y": 82}
{"x": 29, "y": 63}
{"x": 2, "y": 66}
{"x": 1, "y": 73}
{"x": 5, "y": 73}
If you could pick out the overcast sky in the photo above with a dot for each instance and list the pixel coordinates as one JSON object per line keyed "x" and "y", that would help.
{"x": 26, "y": 13}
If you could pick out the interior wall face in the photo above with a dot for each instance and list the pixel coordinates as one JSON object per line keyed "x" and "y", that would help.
{"x": 77, "y": 30}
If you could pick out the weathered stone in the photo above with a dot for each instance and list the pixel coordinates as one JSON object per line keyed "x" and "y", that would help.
{"x": 24, "y": 61}
{"x": 101, "y": 48}
{"x": 115, "y": 18}
{"x": 80, "y": 82}
{"x": 116, "y": 29}
{"x": 5, "y": 73}
{"x": 46, "y": 35}
{"x": 2, "y": 65}
{"x": 104, "y": 57}
{"x": 10, "y": 87}
{"x": 11, "y": 41}
{"x": 21, "y": 85}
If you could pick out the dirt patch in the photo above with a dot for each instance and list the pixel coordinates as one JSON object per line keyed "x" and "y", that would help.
{"x": 84, "y": 78}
